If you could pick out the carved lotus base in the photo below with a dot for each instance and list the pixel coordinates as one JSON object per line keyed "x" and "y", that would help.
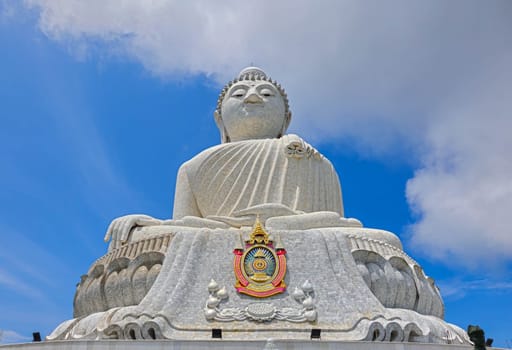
{"x": 363, "y": 287}
{"x": 122, "y": 277}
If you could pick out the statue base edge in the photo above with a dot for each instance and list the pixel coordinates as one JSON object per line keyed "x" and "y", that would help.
{"x": 229, "y": 344}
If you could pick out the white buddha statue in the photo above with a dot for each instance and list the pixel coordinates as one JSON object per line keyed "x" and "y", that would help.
{"x": 257, "y": 170}
{"x": 156, "y": 280}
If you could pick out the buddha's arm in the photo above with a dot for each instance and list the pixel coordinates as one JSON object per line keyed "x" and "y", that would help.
{"x": 280, "y": 216}
{"x": 119, "y": 230}
{"x": 184, "y": 200}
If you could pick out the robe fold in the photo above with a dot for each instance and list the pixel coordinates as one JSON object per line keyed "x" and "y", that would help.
{"x": 233, "y": 176}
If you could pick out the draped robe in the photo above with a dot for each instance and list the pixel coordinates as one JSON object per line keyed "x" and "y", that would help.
{"x": 233, "y": 176}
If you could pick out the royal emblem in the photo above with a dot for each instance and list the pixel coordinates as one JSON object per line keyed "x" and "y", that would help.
{"x": 260, "y": 266}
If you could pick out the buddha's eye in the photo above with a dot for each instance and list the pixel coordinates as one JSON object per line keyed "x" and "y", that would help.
{"x": 238, "y": 93}
{"x": 266, "y": 92}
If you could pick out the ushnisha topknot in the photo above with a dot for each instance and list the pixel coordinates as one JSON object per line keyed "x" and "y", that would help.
{"x": 254, "y": 74}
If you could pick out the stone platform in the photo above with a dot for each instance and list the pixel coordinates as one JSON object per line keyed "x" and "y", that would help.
{"x": 358, "y": 281}
{"x": 227, "y": 345}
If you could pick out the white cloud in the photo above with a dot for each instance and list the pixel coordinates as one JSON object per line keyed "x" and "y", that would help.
{"x": 463, "y": 192}
{"x": 7, "y": 10}
{"x": 11, "y": 282}
{"x": 23, "y": 276}
{"x": 431, "y": 77}
{"x": 456, "y": 289}
{"x": 9, "y": 337}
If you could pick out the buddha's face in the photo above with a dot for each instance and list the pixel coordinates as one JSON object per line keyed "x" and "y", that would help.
{"x": 253, "y": 110}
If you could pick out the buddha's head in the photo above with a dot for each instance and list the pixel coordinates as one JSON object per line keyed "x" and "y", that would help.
{"x": 252, "y": 106}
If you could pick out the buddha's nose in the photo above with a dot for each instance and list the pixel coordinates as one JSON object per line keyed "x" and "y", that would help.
{"x": 253, "y": 97}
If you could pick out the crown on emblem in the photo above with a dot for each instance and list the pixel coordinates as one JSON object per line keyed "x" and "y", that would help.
{"x": 258, "y": 234}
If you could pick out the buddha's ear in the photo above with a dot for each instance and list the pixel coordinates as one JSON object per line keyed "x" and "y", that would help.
{"x": 287, "y": 120}
{"x": 224, "y": 137}
{"x": 218, "y": 118}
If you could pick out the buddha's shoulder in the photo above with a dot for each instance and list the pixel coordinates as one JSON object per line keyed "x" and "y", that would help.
{"x": 296, "y": 147}
{"x": 291, "y": 145}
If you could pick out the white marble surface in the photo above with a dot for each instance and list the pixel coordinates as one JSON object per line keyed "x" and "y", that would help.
{"x": 228, "y": 345}
{"x": 348, "y": 308}
{"x": 226, "y": 179}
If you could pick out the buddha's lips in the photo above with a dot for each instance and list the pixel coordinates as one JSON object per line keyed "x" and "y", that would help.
{"x": 253, "y": 111}
{"x": 253, "y": 105}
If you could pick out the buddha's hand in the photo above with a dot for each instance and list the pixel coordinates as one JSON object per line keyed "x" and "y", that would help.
{"x": 318, "y": 219}
{"x": 247, "y": 216}
{"x": 120, "y": 228}
{"x": 194, "y": 221}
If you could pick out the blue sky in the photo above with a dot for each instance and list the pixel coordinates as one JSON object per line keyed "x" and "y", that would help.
{"x": 102, "y": 101}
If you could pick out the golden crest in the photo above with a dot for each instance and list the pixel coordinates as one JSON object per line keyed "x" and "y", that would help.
{"x": 260, "y": 266}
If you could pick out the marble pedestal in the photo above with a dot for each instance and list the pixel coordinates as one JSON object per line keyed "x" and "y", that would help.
{"x": 352, "y": 300}
{"x": 226, "y": 345}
